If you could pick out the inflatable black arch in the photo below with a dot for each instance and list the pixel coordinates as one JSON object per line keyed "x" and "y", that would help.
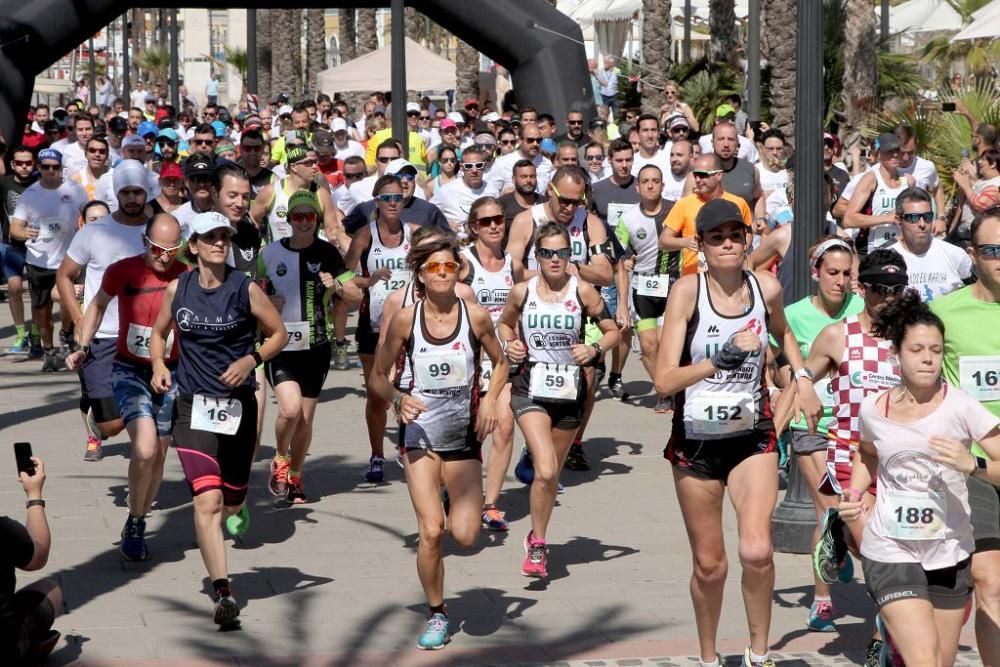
{"x": 550, "y": 70}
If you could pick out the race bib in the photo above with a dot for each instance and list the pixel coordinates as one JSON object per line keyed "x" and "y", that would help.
{"x": 912, "y": 515}
{"x": 721, "y": 412}
{"x": 980, "y": 376}
{"x": 880, "y": 236}
{"x": 379, "y": 291}
{"x": 616, "y": 211}
{"x": 652, "y": 285}
{"x": 824, "y": 389}
{"x": 555, "y": 382}
{"x": 48, "y": 228}
{"x": 298, "y": 336}
{"x": 443, "y": 369}
{"x": 485, "y": 373}
{"x": 216, "y": 415}
{"x": 138, "y": 340}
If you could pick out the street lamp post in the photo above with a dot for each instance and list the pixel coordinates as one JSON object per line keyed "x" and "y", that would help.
{"x": 753, "y": 60}
{"x": 398, "y": 36}
{"x": 252, "y": 51}
{"x": 175, "y": 84}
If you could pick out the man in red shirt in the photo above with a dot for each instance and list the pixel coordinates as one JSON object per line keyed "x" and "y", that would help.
{"x": 139, "y": 284}
{"x": 327, "y": 164}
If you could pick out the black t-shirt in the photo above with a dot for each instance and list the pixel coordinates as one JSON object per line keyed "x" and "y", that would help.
{"x": 580, "y": 142}
{"x": 415, "y": 212}
{"x": 18, "y": 550}
{"x": 606, "y": 191}
{"x": 257, "y": 183}
{"x": 246, "y": 246}
{"x": 840, "y": 179}
{"x": 511, "y": 209}
{"x": 10, "y": 193}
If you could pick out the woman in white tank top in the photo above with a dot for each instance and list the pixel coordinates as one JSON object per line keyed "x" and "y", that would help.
{"x": 488, "y": 272}
{"x": 444, "y": 418}
{"x": 542, "y": 328}
{"x": 711, "y": 359}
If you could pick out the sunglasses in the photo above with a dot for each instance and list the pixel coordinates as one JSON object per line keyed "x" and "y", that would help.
{"x": 161, "y": 251}
{"x": 406, "y": 177}
{"x": 489, "y": 221}
{"x": 916, "y": 218}
{"x": 705, "y": 173}
{"x": 885, "y": 290}
{"x": 167, "y": 142}
{"x": 385, "y": 160}
{"x": 567, "y": 201}
{"x": 353, "y": 176}
{"x": 308, "y": 162}
{"x": 202, "y": 142}
{"x": 24, "y": 163}
{"x": 574, "y": 122}
{"x": 214, "y": 236}
{"x": 50, "y": 167}
{"x": 412, "y": 114}
{"x": 531, "y": 140}
{"x": 991, "y": 250}
{"x": 594, "y": 158}
{"x": 507, "y": 142}
{"x": 448, "y": 160}
{"x": 450, "y": 267}
{"x": 98, "y": 151}
{"x": 549, "y": 253}
{"x": 425, "y": 117}
{"x": 303, "y": 216}
{"x": 200, "y": 178}
{"x": 390, "y": 198}
{"x": 470, "y": 166}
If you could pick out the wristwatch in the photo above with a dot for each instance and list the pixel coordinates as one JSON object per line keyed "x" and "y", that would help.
{"x": 981, "y": 464}
{"x": 806, "y": 373}
{"x": 37, "y": 502}
{"x": 597, "y": 347}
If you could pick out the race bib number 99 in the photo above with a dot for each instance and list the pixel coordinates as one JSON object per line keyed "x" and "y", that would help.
{"x": 722, "y": 412}
{"x": 554, "y": 382}
{"x": 440, "y": 370}
{"x": 216, "y": 415}
{"x": 980, "y": 376}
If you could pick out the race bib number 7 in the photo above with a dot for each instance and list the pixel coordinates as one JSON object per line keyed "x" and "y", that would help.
{"x": 216, "y": 415}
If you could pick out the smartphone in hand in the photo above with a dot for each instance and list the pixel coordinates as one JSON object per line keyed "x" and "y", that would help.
{"x": 22, "y": 453}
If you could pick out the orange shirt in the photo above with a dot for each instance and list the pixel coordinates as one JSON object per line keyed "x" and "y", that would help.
{"x": 681, "y": 220}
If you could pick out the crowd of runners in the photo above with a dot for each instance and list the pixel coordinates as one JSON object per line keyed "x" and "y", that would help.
{"x": 501, "y": 272}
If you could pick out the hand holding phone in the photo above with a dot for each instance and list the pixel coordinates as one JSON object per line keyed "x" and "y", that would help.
{"x": 22, "y": 454}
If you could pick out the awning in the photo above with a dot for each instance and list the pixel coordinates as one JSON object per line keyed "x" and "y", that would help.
{"x": 425, "y": 70}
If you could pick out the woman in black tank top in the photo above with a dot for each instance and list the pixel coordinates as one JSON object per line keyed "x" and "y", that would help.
{"x": 429, "y": 334}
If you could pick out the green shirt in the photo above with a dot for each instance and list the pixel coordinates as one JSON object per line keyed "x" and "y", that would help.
{"x": 806, "y": 321}
{"x": 971, "y": 347}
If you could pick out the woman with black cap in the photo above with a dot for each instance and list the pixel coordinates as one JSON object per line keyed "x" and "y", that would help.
{"x": 711, "y": 359}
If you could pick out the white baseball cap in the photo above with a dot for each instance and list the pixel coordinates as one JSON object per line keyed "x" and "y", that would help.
{"x": 338, "y": 125}
{"x": 412, "y": 106}
{"x": 285, "y": 108}
{"x": 457, "y": 117}
{"x": 491, "y": 117}
{"x": 398, "y": 165}
{"x": 204, "y": 223}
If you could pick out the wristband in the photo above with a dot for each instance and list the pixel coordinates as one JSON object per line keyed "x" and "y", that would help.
{"x": 37, "y": 502}
{"x": 852, "y": 495}
{"x": 258, "y": 360}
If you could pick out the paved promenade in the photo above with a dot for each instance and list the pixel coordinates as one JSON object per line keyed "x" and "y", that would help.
{"x": 333, "y": 582}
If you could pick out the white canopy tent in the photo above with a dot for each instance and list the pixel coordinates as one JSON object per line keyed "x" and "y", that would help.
{"x": 918, "y": 16}
{"x": 985, "y": 24}
{"x": 425, "y": 70}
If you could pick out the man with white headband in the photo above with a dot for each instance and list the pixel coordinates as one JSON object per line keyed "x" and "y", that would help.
{"x": 96, "y": 247}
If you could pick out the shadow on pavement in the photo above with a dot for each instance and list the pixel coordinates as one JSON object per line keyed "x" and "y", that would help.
{"x": 851, "y": 638}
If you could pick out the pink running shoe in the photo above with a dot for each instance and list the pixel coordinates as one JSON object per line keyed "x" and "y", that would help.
{"x": 535, "y": 557}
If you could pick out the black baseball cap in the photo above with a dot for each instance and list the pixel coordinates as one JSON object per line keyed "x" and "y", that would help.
{"x": 884, "y": 274}
{"x": 199, "y": 164}
{"x": 118, "y": 125}
{"x": 715, "y": 213}
{"x": 887, "y": 142}
{"x": 322, "y": 138}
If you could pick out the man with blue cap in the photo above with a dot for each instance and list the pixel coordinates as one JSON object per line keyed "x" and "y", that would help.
{"x": 96, "y": 247}
{"x": 46, "y": 218}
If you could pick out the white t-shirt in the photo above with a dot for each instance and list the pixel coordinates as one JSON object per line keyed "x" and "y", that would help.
{"x": 455, "y": 199}
{"x": 74, "y": 159}
{"x": 661, "y": 160}
{"x": 96, "y": 247}
{"x": 774, "y": 185}
{"x": 56, "y": 216}
{"x": 747, "y": 151}
{"x": 105, "y": 190}
{"x": 138, "y": 98}
{"x": 921, "y": 513}
{"x": 939, "y": 271}
{"x": 185, "y": 215}
{"x": 352, "y": 148}
{"x": 673, "y": 186}
{"x": 501, "y": 175}
{"x": 924, "y": 173}
{"x": 362, "y": 191}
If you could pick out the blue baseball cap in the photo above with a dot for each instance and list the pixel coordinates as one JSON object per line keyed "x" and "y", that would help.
{"x": 50, "y": 154}
{"x": 219, "y": 127}
{"x": 147, "y": 127}
{"x": 169, "y": 133}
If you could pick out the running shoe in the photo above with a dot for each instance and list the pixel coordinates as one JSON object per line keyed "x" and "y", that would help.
{"x": 599, "y": 371}
{"x": 494, "y": 520}
{"x": 525, "y": 468}
{"x": 133, "y": 545}
{"x": 535, "y": 557}
{"x": 226, "y": 610}
{"x": 575, "y": 460}
{"x": 67, "y": 341}
{"x": 436, "y": 634}
{"x": 821, "y": 617}
{"x": 831, "y": 549}
{"x": 340, "y": 361}
{"x": 846, "y": 570}
{"x": 35, "y": 350}
{"x": 559, "y": 487}
{"x": 296, "y": 494}
{"x": 401, "y": 457}
{"x": 277, "y": 484}
{"x": 616, "y": 386}
{"x": 748, "y": 662}
{"x": 20, "y": 346}
{"x": 888, "y": 655}
{"x": 93, "y": 451}
{"x": 53, "y": 362}
{"x": 95, "y": 432}
{"x": 873, "y": 654}
{"x": 663, "y": 406}
{"x": 237, "y": 524}
{"x": 376, "y": 469}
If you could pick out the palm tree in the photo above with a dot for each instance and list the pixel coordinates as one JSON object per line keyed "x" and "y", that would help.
{"x": 780, "y": 31}
{"x": 315, "y": 47}
{"x": 466, "y": 71}
{"x": 860, "y": 94}
{"x": 264, "y": 88}
{"x": 656, "y": 52}
{"x": 138, "y": 29}
{"x": 367, "y": 31}
{"x": 286, "y": 40}
{"x": 155, "y": 62}
{"x": 414, "y": 24}
{"x": 235, "y": 57}
{"x": 347, "y": 35}
{"x": 976, "y": 53}
{"x": 722, "y": 30}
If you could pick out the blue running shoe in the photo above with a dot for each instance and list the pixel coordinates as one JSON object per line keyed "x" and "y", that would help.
{"x": 20, "y": 346}
{"x": 846, "y": 570}
{"x": 436, "y": 634}
{"x": 133, "y": 545}
{"x": 525, "y": 468}
{"x": 821, "y": 617}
